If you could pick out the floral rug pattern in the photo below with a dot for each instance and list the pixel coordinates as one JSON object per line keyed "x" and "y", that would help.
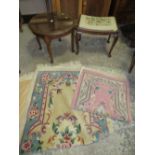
{"x": 51, "y": 122}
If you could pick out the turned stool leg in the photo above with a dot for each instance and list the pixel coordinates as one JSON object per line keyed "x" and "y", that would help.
{"x": 77, "y": 42}
{"x": 113, "y": 44}
{"x": 132, "y": 63}
{"x": 108, "y": 41}
{"x": 38, "y": 41}
{"x": 48, "y": 43}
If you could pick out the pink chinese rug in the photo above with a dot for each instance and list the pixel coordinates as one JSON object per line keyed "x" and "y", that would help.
{"x": 102, "y": 94}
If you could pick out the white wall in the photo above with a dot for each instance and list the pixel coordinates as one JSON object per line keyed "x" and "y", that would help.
{"x": 28, "y": 7}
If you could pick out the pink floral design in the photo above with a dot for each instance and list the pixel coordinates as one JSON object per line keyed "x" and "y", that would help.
{"x": 27, "y": 145}
{"x": 45, "y": 77}
{"x": 67, "y": 142}
{"x": 67, "y": 138}
{"x": 34, "y": 112}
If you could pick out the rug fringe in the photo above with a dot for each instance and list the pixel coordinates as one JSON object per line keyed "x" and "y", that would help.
{"x": 26, "y": 76}
{"x": 69, "y": 64}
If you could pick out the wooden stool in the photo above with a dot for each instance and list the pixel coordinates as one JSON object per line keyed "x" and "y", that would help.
{"x": 97, "y": 26}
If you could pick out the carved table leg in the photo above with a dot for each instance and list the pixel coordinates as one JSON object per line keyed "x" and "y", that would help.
{"x": 132, "y": 63}
{"x": 113, "y": 44}
{"x": 72, "y": 40}
{"x": 20, "y": 26}
{"x": 77, "y": 42}
{"x": 38, "y": 41}
{"x": 21, "y": 21}
{"x": 108, "y": 41}
{"x": 48, "y": 42}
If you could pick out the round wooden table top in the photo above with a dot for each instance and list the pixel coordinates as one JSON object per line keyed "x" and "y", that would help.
{"x": 62, "y": 25}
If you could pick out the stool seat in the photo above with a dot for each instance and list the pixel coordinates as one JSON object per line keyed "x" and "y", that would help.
{"x": 98, "y": 23}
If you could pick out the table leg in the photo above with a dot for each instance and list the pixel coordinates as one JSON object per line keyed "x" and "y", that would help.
{"x": 38, "y": 41}
{"x": 48, "y": 43}
{"x": 20, "y": 27}
{"x": 113, "y": 44}
{"x": 108, "y": 41}
{"x": 132, "y": 63}
{"x": 77, "y": 42}
{"x": 72, "y": 40}
{"x": 20, "y": 21}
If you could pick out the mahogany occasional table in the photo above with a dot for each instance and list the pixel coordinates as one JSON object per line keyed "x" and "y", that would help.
{"x": 48, "y": 31}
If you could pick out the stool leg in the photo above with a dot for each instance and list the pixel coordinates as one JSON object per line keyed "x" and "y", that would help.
{"x": 72, "y": 41}
{"x": 113, "y": 44}
{"x": 77, "y": 42}
{"x": 132, "y": 63}
{"x": 38, "y": 41}
{"x": 48, "y": 42}
{"x": 108, "y": 41}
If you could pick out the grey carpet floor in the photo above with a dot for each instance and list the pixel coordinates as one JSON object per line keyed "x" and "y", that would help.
{"x": 93, "y": 51}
